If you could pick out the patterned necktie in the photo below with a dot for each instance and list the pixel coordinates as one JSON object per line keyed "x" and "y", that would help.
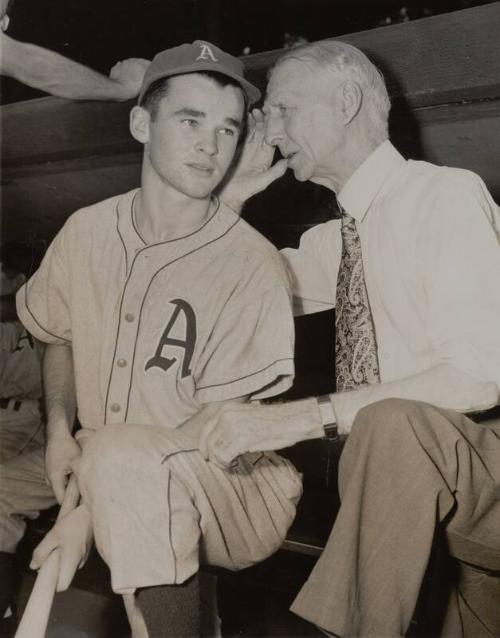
{"x": 356, "y": 361}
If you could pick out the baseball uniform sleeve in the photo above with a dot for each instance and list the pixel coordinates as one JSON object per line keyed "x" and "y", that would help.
{"x": 10, "y": 333}
{"x": 20, "y": 362}
{"x": 43, "y": 302}
{"x": 313, "y": 268}
{"x": 250, "y": 352}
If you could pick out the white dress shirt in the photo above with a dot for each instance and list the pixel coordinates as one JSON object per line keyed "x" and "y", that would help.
{"x": 430, "y": 241}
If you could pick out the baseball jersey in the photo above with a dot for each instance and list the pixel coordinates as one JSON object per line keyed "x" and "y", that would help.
{"x": 20, "y": 363}
{"x": 159, "y": 329}
{"x": 20, "y": 416}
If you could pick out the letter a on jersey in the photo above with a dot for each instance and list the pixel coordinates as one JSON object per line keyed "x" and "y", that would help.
{"x": 206, "y": 53}
{"x": 188, "y": 343}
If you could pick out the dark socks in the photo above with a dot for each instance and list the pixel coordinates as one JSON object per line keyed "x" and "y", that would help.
{"x": 171, "y": 611}
{"x": 7, "y": 580}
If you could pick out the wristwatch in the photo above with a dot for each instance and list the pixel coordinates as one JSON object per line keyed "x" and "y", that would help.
{"x": 328, "y": 419}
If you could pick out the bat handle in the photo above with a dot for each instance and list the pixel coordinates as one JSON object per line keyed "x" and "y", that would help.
{"x": 71, "y": 498}
{"x": 37, "y": 611}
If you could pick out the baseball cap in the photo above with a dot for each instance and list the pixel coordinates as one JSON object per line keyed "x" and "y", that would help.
{"x": 195, "y": 57}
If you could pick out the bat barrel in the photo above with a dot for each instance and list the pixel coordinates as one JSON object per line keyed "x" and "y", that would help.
{"x": 36, "y": 614}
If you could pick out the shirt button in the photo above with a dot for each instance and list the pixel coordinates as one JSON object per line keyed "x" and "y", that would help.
{"x": 115, "y": 407}
{"x": 121, "y": 363}
{"x": 129, "y": 317}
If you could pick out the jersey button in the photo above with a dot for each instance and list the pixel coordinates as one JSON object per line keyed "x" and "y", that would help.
{"x": 129, "y": 317}
{"x": 121, "y": 363}
{"x": 115, "y": 407}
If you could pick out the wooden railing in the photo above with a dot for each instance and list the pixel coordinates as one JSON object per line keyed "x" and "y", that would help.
{"x": 443, "y": 75}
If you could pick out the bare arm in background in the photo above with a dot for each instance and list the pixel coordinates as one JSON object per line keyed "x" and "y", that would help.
{"x": 53, "y": 73}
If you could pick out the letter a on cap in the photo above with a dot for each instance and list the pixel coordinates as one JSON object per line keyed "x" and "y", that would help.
{"x": 206, "y": 53}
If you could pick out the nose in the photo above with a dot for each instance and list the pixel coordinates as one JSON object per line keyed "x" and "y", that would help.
{"x": 207, "y": 143}
{"x": 273, "y": 128}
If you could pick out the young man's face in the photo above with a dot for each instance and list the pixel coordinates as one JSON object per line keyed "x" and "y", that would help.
{"x": 193, "y": 137}
{"x": 303, "y": 120}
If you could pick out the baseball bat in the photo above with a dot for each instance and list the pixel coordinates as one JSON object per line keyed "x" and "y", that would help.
{"x": 37, "y": 611}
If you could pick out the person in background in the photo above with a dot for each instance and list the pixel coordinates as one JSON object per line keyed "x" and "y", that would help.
{"x": 21, "y": 422}
{"x": 53, "y": 73}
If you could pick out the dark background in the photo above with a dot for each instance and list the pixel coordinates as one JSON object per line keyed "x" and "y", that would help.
{"x": 452, "y": 117}
{"x": 98, "y": 33}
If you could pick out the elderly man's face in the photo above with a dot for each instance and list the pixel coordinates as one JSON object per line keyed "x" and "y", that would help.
{"x": 303, "y": 119}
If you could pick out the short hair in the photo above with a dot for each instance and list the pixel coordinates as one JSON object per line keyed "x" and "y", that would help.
{"x": 159, "y": 89}
{"x": 21, "y": 257}
{"x": 344, "y": 60}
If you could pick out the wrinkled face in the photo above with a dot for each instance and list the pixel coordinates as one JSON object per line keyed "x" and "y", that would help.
{"x": 192, "y": 140}
{"x": 302, "y": 116}
{"x": 4, "y": 18}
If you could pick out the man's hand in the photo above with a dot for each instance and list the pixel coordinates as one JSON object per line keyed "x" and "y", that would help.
{"x": 235, "y": 428}
{"x": 72, "y": 536}
{"x": 62, "y": 458}
{"x": 130, "y": 73}
{"x": 253, "y": 173}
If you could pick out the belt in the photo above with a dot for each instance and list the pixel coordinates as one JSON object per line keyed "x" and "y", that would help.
{"x": 10, "y": 404}
{"x": 485, "y": 415}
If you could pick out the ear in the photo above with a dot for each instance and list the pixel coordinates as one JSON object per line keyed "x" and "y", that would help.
{"x": 352, "y": 98}
{"x": 139, "y": 124}
{"x": 4, "y": 23}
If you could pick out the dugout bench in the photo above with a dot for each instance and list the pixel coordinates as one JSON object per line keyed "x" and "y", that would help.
{"x": 443, "y": 75}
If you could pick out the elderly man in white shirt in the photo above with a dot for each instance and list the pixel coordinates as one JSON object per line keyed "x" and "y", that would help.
{"x": 412, "y": 269}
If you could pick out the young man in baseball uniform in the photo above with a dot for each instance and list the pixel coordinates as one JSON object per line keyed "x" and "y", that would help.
{"x": 155, "y": 305}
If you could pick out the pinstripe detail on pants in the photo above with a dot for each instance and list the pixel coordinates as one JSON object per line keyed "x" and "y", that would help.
{"x": 159, "y": 508}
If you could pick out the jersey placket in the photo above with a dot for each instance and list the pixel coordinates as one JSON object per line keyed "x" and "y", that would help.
{"x": 147, "y": 263}
{"x": 130, "y": 312}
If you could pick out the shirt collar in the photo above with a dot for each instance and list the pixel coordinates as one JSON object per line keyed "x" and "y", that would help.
{"x": 220, "y": 222}
{"x": 365, "y": 183}
{"x": 125, "y": 222}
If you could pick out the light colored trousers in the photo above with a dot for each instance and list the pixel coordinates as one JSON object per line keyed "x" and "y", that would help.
{"x": 158, "y": 508}
{"x": 23, "y": 489}
{"x": 408, "y": 472}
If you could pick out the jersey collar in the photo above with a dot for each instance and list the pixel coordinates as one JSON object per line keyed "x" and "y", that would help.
{"x": 217, "y": 225}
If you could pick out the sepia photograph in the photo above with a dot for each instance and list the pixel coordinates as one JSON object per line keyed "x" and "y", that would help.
{"x": 249, "y": 319}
